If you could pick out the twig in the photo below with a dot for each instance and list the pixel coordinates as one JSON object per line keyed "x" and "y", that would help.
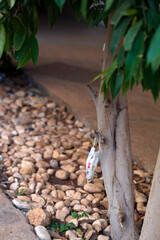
{"x": 92, "y": 93}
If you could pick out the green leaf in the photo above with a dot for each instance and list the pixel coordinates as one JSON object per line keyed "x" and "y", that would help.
{"x": 110, "y": 4}
{"x": 118, "y": 13}
{"x": 111, "y": 70}
{"x": 71, "y": 225}
{"x": 119, "y": 32}
{"x": 60, "y": 4}
{"x": 125, "y": 88}
{"x": 120, "y": 57}
{"x": 153, "y": 55}
{"x": 52, "y": 13}
{"x": 153, "y": 19}
{"x": 19, "y": 55}
{"x": 74, "y": 214}
{"x": 138, "y": 76}
{"x": 35, "y": 20}
{"x": 84, "y": 7}
{"x": 11, "y": 3}
{"x": 7, "y": 47}
{"x": 99, "y": 16}
{"x": 99, "y": 76}
{"x": 129, "y": 12}
{"x": 131, "y": 34}
{"x": 76, "y": 6}
{"x": 2, "y": 39}
{"x": 34, "y": 48}
{"x": 154, "y": 5}
{"x": 84, "y": 214}
{"x": 26, "y": 59}
{"x": 116, "y": 83}
{"x": 20, "y": 34}
{"x": 134, "y": 57}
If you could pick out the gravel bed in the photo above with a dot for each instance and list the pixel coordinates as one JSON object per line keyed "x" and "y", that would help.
{"x": 43, "y": 153}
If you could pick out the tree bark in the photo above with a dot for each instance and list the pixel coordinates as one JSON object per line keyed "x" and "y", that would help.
{"x": 150, "y": 228}
{"x": 115, "y": 157}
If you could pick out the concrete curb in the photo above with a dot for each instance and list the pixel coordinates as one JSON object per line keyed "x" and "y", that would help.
{"x": 13, "y": 225}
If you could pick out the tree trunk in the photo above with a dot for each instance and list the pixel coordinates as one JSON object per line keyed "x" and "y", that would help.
{"x": 115, "y": 157}
{"x": 150, "y": 229}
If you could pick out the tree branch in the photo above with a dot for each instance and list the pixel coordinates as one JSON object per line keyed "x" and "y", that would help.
{"x": 92, "y": 93}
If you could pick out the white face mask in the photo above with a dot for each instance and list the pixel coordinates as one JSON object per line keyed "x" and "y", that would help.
{"x": 91, "y": 164}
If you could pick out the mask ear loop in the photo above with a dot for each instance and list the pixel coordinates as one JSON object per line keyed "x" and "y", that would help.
{"x": 94, "y": 142}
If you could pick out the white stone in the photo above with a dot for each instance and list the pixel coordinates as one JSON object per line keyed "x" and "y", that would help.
{"x": 21, "y": 204}
{"x": 42, "y": 233}
{"x": 14, "y": 186}
{"x": 71, "y": 235}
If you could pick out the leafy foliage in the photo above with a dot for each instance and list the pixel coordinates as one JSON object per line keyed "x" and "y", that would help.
{"x": 60, "y": 227}
{"x": 76, "y": 215}
{"x": 136, "y": 32}
{"x": 19, "y": 193}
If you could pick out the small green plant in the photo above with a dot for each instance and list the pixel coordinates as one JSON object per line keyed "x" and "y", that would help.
{"x": 19, "y": 193}
{"x": 76, "y": 215}
{"x": 79, "y": 231}
{"x": 1, "y": 162}
{"x": 60, "y": 227}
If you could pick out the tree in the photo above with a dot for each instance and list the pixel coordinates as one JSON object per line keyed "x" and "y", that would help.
{"x": 131, "y": 57}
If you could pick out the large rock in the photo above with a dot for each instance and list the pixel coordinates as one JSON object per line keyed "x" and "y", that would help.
{"x": 42, "y": 233}
{"x": 38, "y": 217}
{"x": 93, "y": 188}
{"x": 62, "y": 174}
{"x": 27, "y": 167}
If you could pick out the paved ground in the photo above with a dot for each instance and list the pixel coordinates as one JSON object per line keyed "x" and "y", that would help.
{"x": 13, "y": 225}
{"x": 70, "y": 56}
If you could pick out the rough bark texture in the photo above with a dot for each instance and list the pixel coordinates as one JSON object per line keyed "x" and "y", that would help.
{"x": 115, "y": 157}
{"x": 150, "y": 229}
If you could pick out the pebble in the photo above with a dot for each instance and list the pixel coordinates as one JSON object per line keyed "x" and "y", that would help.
{"x": 102, "y": 237}
{"x": 93, "y": 188}
{"x": 14, "y": 186}
{"x": 61, "y": 214}
{"x": 53, "y": 163}
{"x": 71, "y": 235}
{"x": 99, "y": 224}
{"x": 62, "y": 174}
{"x": 27, "y": 167}
{"x": 42, "y": 233}
{"x": 22, "y": 205}
{"x": 19, "y": 140}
